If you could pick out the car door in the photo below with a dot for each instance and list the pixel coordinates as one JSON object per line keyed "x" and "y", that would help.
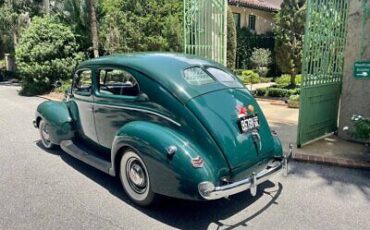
{"x": 116, "y": 102}
{"x": 81, "y": 104}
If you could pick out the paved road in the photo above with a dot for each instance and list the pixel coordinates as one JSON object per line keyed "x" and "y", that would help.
{"x": 51, "y": 190}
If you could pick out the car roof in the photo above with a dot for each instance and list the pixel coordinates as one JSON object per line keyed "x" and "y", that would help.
{"x": 165, "y": 68}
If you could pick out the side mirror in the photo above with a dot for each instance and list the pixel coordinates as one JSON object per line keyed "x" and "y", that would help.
{"x": 142, "y": 97}
{"x": 57, "y": 84}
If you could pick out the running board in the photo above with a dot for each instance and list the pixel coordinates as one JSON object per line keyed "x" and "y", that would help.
{"x": 69, "y": 147}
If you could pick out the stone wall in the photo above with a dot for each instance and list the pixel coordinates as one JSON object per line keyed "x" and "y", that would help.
{"x": 356, "y": 92}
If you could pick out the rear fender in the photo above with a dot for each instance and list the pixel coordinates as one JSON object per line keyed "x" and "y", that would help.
{"x": 59, "y": 119}
{"x": 173, "y": 176}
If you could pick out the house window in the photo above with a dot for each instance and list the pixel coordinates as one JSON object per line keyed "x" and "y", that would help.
{"x": 252, "y": 22}
{"x": 237, "y": 19}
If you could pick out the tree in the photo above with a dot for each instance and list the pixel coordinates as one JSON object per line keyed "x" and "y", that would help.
{"x": 289, "y": 31}
{"x": 46, "y": 52}
{"x": 141, "y": 25}
{"x": 231, "y": 40}
{"x": 261, "y": 58}
{"x": 14, "y": 17}
{"x": 93, "y": 27}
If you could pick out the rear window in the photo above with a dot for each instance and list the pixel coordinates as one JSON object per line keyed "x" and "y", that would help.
{"x": 220, "y": 75}
{"x": 197, "y": 76}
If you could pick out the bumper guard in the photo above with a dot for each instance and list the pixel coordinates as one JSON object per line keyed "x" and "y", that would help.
{"x": 209, "y": 192}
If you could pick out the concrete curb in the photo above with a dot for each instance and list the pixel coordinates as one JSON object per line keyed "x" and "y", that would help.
{"x": 348, "y": 163}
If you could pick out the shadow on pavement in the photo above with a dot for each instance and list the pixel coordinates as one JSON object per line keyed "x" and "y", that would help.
{"x": 181, "y": 213}
{"x": 341, "y": 179}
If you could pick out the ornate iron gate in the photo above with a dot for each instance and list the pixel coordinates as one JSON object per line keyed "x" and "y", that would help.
{"x": 205, "y": 28}
{"x": 323, "y": 59}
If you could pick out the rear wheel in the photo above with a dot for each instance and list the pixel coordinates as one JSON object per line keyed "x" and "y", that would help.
{"x": 135, "y": 178}
{"x": 44, "y": 129}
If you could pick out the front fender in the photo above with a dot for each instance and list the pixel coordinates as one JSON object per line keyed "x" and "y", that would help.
{"x": 172, "y": 176}
{"x": 59, "y": 119}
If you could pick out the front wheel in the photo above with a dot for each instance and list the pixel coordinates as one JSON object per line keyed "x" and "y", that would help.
{"x": 44, "y": 129}
{"x": 135, "y": 178}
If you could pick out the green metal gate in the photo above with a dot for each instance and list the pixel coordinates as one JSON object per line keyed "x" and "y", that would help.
{"x": 323, "y": 59}
{"x": 205, "y": 28}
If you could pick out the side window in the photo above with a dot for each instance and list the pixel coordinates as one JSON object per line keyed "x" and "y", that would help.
{"x": 117, "y": 82}
{"x": 82, "y": 82}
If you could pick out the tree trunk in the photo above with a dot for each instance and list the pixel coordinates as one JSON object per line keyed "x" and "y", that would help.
{"x": 292, "y": 79}
{"x": 93, "y": 28}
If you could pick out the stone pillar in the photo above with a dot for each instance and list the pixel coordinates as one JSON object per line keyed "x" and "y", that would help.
{"x": 355, "y": 97}
{"x": 9, "y": 63}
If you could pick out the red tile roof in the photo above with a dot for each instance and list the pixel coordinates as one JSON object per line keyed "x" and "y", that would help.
{"x": 268, "y": 5}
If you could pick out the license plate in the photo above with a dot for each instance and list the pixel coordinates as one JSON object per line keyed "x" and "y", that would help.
{"x": 248, "y": 123}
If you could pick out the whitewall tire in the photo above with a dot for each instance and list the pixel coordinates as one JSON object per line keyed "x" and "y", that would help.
{"x": 44, "y": 129}
{"x": 135, "y": 178}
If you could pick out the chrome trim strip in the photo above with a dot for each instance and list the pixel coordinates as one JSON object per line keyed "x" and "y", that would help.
{"x": 140, "y": 110}
{"x": 230, "y": 189}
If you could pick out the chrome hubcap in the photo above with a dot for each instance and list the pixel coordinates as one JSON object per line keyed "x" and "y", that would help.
{"x": 136, "y": 175}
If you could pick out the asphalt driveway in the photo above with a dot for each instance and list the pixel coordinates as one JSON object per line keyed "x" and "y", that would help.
{"x": 51, "y": 190}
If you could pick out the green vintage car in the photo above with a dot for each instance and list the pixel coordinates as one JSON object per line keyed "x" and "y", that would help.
{"x": 169, "y": 124}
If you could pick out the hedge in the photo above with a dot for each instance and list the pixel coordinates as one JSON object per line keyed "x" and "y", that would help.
{"x": 276, "y": 92}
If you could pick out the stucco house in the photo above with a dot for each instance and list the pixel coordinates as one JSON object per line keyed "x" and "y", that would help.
{"x": 257, "y": 15}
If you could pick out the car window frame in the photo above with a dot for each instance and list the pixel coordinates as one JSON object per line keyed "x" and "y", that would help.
{"x": 201, "y": 67}
{"x": 75, "y": 75}
{"x": 215, "y": 67}
{"x": 97, "y": 85}
{"x": 204, "y": 68}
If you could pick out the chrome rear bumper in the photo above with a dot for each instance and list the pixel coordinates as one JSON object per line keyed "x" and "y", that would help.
{"x": 210, "y": 192}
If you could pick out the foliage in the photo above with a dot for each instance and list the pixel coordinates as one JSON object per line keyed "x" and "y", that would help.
{"x": 46, "y": 52}
{"x": 286, "y": 79}
{"x": 247, "y": 42}
{"x": 141, "y": 25}
{"x": 249, "y": 76}
{"x": 75, "y": 13}
{"x": 266, "y": 79}
{"x": 66, "y": 84}
{"x": 261, "y": 92}
{"x": 294, "y": 97}
{"x": 275, "y": 91}
{"x": 361, "y": 127}
{"x": 14, "y": 17}
{"x": 261, "y": 59}
{"x": 2, "y": 64}
{"x": 289, "y": 31}
{"x": 231, "y": 40}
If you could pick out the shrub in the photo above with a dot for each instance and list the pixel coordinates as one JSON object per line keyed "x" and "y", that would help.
{"x": 238, "y": 72}
{"x": 46, "y": 52}
{"x": 2, "y": 64}
{"x": 293, "y": 101}
{"x": 294, "y": 97}
{"x": 276, "y": 92}
{"x": 261, "y": 92}
{"x": 247, "y": 41}
{"x": 249, "y": 76}
{"x": 66, "y": 84}
{"x": 361, "y": 127}
{"x": 261, "y": 59}
{"x": 285, "y": 79}
{"x": 265, "y": 79}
